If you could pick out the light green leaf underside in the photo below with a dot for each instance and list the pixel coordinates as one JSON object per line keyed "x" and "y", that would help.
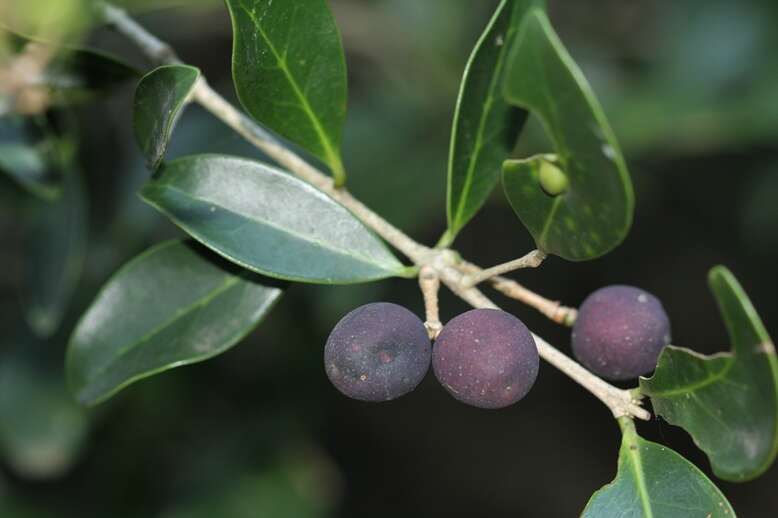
{"x": 159, "y": 100}
{"x": 594, "y": 213}
{"x": 727, "y": 402}
{"x": 290, "y": 72}
{"x": 655, "y": 482}
{"x": 485, "y": 126}
{"x": 173, "y": 305}
{"x": 269, "y": 221}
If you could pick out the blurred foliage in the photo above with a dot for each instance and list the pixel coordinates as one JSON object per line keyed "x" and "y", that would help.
{"x": 690, "y": 90}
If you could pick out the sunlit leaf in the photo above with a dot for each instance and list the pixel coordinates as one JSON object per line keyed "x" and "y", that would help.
{"x": 290, "y": 72}
{"x": 268, "y": 221}
{"x": 728, "y": 402}
{"x": 159, "y": 99}
{"x": 653, "y": 481}
{"x": 173, "y": 305}
{"x": 593, "y": 214}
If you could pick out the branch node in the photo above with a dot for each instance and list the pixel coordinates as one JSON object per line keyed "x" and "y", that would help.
{"x": 429, "y": 283}
{"x": 531, "y": 260}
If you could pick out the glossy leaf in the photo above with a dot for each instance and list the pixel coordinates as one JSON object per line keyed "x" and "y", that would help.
{"x": 159, "y": 100}
{"x": 655, "y": 482}
{"x": 728, "y": 402}
{"x": 268, "y": 221}
{"x": 593, "y": 215}
{"x": 173, "y": 305}
{"x": 42, "y": 430}
{"x": 55, "y": 241}
{"x": 290, "y": 72}
{"x": 485, "y": 126}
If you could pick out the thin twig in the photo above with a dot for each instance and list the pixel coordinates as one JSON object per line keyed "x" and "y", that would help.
{"x": 444, "y": 262}
{"x": 552, "y": 309}
{"x": 530, "y": 260}
{"x": 429, "y": 283}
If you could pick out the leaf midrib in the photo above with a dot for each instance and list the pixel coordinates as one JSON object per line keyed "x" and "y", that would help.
{"x": 636, "y": 463}
{"x": 332, "y": 156}
{"x": 144, "y": 339}
{"x": 699, "y": 385}
{"x": 478, "y": 146}
{"x": 335, "y": 251}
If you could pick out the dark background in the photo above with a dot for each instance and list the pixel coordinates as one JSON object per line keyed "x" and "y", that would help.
{"x": 690, "y": 88}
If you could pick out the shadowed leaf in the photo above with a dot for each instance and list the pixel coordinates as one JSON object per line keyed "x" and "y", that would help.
{"x": 728, "y": 402}
{"x": 173, "y": 305}
{"x": 159, "y": 100}
{"x": 594, "y": 213}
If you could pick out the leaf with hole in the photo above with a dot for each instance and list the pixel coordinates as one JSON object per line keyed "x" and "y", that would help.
{"x": 268, "y": 221}
{"x": 728, "y": 402}
{"x": 290, "y": 72}
{"x": 159, "y": 100}
{"x": 485, "y": 126}
{"x": 653, "y": 481}
{"x": 175, "y": 304}
{"x": 593, "y": 213}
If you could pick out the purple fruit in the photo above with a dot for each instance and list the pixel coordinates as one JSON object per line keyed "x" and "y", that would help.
{"x": 620, "y": 331}
{"x": 486, "y": 358}
{"x": 377, "y": 352}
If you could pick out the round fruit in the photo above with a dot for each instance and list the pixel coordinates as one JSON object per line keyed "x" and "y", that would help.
{"x": 486, "y": 358}
{"x": 620, "y": 331}
{"x": 377, "y": 352}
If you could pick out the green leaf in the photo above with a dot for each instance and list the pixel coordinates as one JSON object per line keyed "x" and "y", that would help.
{"x": 55, "y": 242}
{"x": 173, "y": 305}
{"x": 728, "y": 402}
{"x": 159, "y": 100}
{"x": 24, "y": 159}
{"x": 485, "y": 126}
{"x": 74, "y": 74}
{"x": 79, "y": 74}
{"x": 42, "y": 430}
{"x": 594, "y": 213}
{"x": 290, "y": 72}
{"x": 268, "y": 221}
{"x": 655, "y": 482}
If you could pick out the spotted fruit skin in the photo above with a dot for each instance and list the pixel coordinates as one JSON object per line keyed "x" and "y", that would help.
{"x": 620, "y": 331}
{"x": 377, "y": 352}
{"x": 486, "y": 358}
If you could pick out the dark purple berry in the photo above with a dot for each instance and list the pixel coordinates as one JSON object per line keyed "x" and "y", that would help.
{"x": 486, "y": 358}
{"x": 377, "y": 352}
{"x": 620, "y": 331}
